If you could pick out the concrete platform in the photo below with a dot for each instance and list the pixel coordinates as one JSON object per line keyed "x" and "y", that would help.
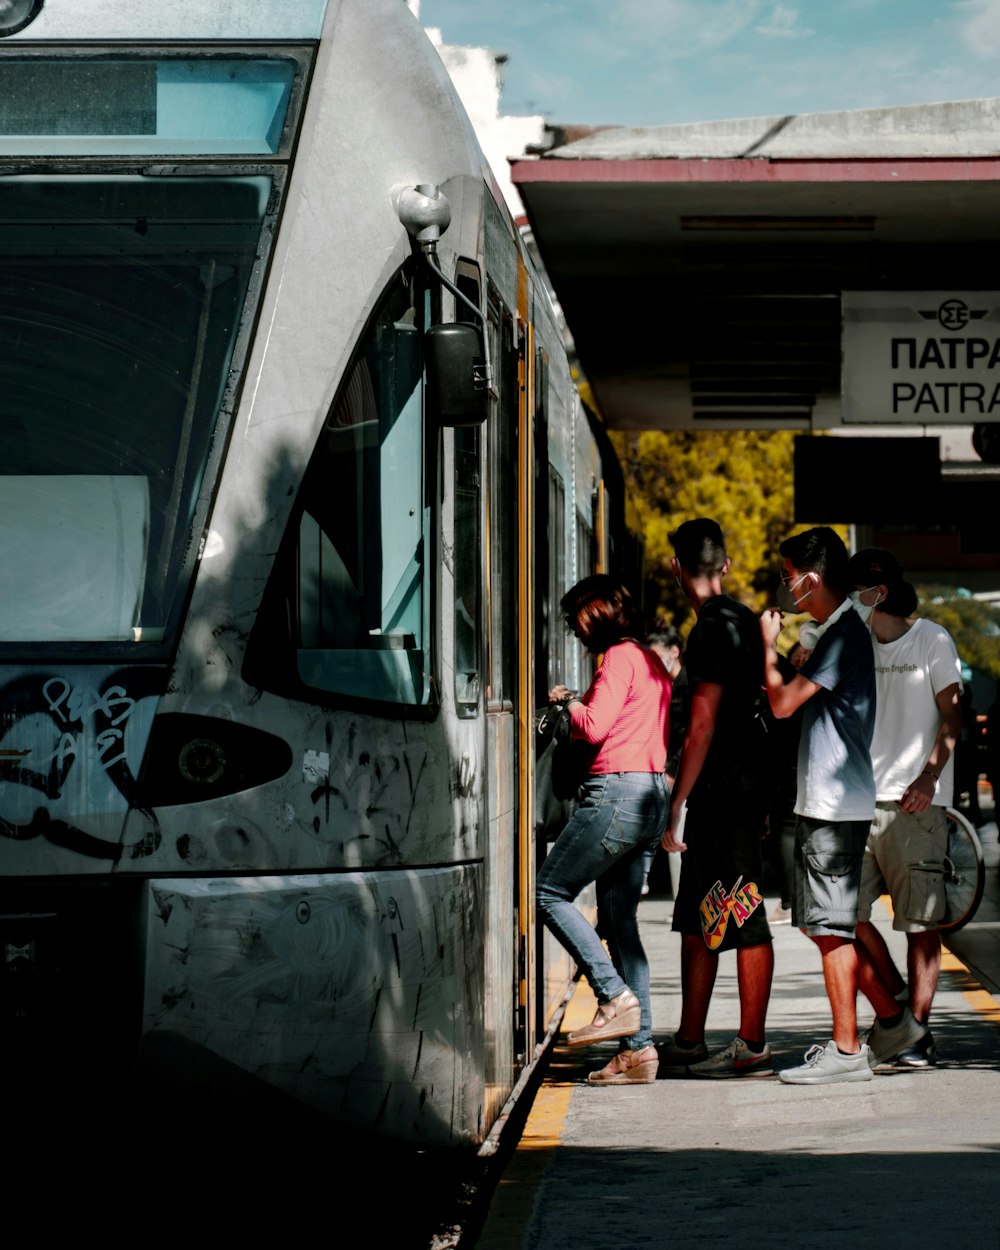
{"x": 909, "y": 1158}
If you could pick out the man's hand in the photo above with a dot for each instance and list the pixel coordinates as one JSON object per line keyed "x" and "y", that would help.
{"x": 770, "y": 626}
{"x": 671, "y": 838}
{"x": 919, "y": 794}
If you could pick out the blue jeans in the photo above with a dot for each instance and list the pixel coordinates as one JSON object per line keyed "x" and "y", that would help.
{"x": 621, "y": 817}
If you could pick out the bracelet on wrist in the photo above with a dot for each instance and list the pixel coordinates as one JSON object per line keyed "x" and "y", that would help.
{"x": 929, "y": 772}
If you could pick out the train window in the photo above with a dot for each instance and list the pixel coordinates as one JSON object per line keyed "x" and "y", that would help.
{"x": 178, "y": 105}
{"x": 352, "y": 574}
{"x": 503, "y": 507}
{"x": 585, "y": 565}
{"x": 467, "y": 540}
{"x": 558, "y": 637}
{"x": 121, "y": 298}
{"x": 467, "y": 550}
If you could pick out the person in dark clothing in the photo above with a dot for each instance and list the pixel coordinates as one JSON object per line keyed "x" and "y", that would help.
{"x": 722, "y": 782}
{"x": 665, "y": 640}
{"x": 781, "y": 821}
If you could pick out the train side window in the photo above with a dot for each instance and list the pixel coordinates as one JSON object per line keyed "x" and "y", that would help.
{"x": 467, "y": 540}
{"x": 502, "y": 451}
{"x": 558, "y": 666}
{"x": 585, "y": 563}
{"x": 352, "y": 576}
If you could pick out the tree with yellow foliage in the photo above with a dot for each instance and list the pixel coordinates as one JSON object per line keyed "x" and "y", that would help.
{"x": 742, "y": 478}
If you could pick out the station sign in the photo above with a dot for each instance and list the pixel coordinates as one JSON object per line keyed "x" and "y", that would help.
{"x": 920, "y": 357}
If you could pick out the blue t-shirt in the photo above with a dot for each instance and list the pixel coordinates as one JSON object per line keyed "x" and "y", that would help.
{"x": 835, "y": 778}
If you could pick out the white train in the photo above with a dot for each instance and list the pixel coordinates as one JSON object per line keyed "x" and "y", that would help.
{"x": 274, "y": 609}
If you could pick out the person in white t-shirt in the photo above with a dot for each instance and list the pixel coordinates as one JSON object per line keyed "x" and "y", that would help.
{"x": 918, "y": 717}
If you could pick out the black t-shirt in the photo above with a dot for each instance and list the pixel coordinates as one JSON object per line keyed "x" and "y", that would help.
{"x": 726, "y": 649}
{"x": 680, "y": 714}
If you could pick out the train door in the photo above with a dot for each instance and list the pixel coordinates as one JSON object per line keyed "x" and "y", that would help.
{"x": 526, "y": 947}
{"x": 502, "y": 585}
{"x": 551, "y": 965}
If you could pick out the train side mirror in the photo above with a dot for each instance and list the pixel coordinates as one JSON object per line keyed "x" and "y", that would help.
{"x": 457, "y": 385}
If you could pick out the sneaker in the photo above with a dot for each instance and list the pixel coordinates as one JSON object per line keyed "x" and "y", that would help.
{"x": 885, "y": 1044}
{"x": 736, "y": 1060}
{"x": 825, "y": 1065}
{"x": 922, "y": 1054}
{"x": 628, "y": 1067}
{"x": 679, "y": 1057}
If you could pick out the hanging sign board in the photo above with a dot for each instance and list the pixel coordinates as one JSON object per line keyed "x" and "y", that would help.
{"x": 920, "y": 357}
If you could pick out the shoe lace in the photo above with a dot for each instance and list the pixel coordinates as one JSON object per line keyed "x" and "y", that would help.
{"x": 813, "y": 1055}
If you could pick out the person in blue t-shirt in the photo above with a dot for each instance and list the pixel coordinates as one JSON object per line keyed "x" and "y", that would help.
{"x": 835, "y": 801}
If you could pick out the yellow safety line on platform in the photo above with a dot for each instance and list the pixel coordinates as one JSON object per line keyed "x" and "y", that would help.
{"x": 972, "y": 991}
{"x": 547, "y": 1117}
{"x": 513, "y": 1202}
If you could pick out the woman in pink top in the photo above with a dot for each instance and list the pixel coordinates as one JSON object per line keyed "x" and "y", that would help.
{"x": 624, "y": 806}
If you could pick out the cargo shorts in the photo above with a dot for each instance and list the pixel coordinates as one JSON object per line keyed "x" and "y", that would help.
{"x": 828, "y": 859}
{"x": 905, "y": 857}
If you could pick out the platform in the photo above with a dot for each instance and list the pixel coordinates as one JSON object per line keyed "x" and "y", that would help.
{"x": 909, "y": 1158}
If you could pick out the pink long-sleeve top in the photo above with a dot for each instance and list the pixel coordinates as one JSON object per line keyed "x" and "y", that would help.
{"x": 626, "y": 711}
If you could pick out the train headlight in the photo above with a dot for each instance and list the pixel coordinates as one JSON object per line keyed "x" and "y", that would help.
{"x": 202, "y": 761}
{"x": 191, "y": 759}
{"x": 16, "y": 14}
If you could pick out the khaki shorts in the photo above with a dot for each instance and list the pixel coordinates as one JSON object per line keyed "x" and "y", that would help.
{"x": 905, "y": 857}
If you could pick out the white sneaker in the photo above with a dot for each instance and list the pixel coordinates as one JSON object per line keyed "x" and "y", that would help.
{"x": 825, "y": 1065}
{"x": 885, "y": 1044}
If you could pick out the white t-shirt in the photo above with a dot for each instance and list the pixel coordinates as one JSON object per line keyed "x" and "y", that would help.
{"x": 909, "y": 674}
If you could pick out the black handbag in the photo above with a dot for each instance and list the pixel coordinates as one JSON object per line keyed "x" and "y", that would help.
{"x": 561, "y": 767}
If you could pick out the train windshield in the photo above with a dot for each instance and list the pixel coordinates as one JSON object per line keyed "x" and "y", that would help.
{"x": 121, "y": 297}
{"x": 175, "y": 105}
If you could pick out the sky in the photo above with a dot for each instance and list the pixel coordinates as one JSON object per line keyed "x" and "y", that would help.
{"x": 654, "y": 62}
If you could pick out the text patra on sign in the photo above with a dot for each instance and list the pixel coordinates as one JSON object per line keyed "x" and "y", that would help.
{"x": 921, "y": 357}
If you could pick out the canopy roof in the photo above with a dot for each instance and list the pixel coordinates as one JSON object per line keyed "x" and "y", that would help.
{"x": 700, "y": 267}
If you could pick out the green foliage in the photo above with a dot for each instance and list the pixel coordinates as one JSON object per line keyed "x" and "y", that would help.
{"x": 742, "y": 478}
{"x": 974, "y": 625}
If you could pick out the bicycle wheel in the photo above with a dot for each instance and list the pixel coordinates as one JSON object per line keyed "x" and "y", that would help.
{"x": 964, "y": 874}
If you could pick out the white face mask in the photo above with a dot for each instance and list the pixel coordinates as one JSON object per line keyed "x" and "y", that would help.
{"x": 788, "y": 601}
{"x": 864, "y": 610}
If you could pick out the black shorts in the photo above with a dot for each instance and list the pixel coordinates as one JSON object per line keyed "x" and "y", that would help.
{"x": 719, "y": 898}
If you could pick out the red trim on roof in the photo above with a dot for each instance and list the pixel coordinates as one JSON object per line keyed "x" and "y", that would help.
{"x": 759, "y": 169}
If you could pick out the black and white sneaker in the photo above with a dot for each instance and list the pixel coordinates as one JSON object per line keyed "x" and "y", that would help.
{"x": 922, "y": 1054}
{"x": 884, "y": 1044}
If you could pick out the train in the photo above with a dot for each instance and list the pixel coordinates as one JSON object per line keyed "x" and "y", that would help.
{"x": 295, "y": 474}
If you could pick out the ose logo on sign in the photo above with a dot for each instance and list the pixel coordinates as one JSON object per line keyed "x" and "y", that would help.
{"x": 954, "y": 314}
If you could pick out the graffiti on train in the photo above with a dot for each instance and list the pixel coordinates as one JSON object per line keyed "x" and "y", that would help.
{"x": 360, "y": 795}
{"x": 77, "y": 708}
{"x": 65, "y": 768}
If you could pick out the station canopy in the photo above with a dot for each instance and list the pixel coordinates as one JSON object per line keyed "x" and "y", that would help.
{"x": 701, "y": 267}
